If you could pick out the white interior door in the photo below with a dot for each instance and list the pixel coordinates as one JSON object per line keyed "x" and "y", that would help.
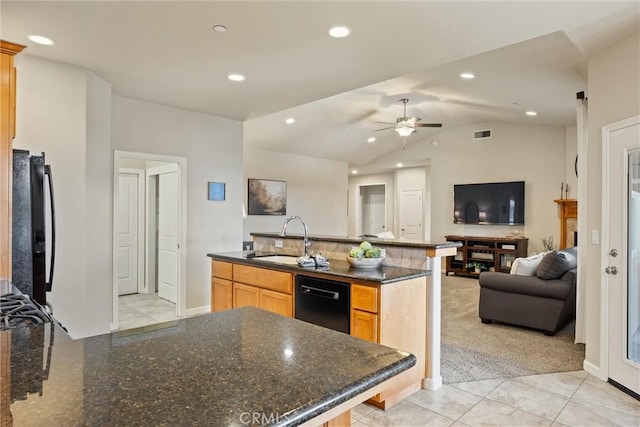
{"x": 377, "y": 210}
{"x": 410, "y": 212}
{"x": 622, "y": 267}
{"x": 128, "y": 233}
{"x": 168, "y": 235}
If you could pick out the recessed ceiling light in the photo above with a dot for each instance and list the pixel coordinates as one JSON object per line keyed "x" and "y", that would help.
{"x": 372, "y": 139}
{"x": 467, "y": 76}
{"x": 290, "y": 121}
{"x": 355, "y": 171}
{"x": 531, "y": 113}
{"x": 339, "y": 31}
{"x": 42, "y": 40}
{"x": 399, "y": 165}
{"x": 219, "y": 28}
{"x": 236, "y": 77}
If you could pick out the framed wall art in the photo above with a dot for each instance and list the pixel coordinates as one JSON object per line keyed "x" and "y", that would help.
{"x": 216, "y": 191}
{"x": 267, "y": 197}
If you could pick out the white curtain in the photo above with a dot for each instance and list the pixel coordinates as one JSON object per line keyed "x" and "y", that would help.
{"x": 583, "y": 142}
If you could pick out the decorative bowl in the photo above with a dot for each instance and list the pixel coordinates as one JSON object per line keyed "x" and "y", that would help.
{"x": 365, "y": 262}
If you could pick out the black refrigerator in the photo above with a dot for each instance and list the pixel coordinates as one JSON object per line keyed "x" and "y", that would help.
{"x": 33, "y": 226}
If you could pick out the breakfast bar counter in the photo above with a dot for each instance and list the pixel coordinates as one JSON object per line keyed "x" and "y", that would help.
{"x": 337, "y": 268}
{"x": 239, "y": 367}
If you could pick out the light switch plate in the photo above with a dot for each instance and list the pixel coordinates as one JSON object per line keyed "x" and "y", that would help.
{"x": 278, "y": 243}
{"x": 595, "y": 237}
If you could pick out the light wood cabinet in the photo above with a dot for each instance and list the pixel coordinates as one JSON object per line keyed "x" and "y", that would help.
{"x": 364, "y": 325}
{"x": 364, "y": 309}
{"x": 221, "y": 294}
{"x": 245, "y": 295}
{"x": 238, "y": 285}
{"x": 221, "y": 285}
{"x": 393, "y": 314}
{"x": 7, "y": 133}
{"x": 276, "y": 302}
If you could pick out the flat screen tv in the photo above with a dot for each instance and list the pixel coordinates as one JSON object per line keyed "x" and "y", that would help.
{"x": 499, "y": 203}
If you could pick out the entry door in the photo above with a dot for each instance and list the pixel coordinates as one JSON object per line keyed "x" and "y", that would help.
{"x": 410, "y": 211}
{"x": 128, "y": 233}
{"x": 168, "y": 236}
{"x": 377, "y": 211}
{"x": 622, "y": 277}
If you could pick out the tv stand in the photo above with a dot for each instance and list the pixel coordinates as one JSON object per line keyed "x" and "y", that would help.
{"x": 479, "y": 254}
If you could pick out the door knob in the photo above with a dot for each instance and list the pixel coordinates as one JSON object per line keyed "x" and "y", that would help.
{"x": 613, "y": 252}
{"x": 611, "y": 270}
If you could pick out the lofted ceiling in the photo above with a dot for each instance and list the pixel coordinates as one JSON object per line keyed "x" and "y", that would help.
{"x": 526, "y": 55}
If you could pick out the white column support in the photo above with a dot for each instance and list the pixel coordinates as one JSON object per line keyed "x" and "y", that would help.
{"x": 433, "y": 379}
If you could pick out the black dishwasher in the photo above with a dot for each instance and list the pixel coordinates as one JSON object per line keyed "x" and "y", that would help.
{"x": 323, "y": 302}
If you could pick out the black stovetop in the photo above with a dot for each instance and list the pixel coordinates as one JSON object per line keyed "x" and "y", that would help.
{"x": 18, "y": 310}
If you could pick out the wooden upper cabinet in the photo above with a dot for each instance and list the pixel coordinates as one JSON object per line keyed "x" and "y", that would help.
{"x": 7, "y": 133}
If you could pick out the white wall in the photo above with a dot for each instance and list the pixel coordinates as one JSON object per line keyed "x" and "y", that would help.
{"x": 316, "y": 191}
{"x": 64, "y": 111}
{"x": 571, "y": 151}
{"x": 613, "y": 94}
{"x": 213, "y": 149}
{"x": 534, "y": 154}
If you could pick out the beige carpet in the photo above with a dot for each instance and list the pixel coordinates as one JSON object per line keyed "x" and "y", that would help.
{"x": 473, "y": 351}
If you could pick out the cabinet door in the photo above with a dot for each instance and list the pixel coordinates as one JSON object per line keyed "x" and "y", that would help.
{"x": 221, "y": 294}
{"x": 222, "y": 269}
{"x": 364, "y": 325}
{"x": 364, "y": 298}
{"x": 244, "y": 295}
{"x": 276, "y": 302}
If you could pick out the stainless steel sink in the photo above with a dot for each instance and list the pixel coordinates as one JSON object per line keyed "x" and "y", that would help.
{"x": 279, "y": 259}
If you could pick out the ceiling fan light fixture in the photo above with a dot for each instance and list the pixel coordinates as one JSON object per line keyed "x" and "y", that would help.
{"x": 405, "y": 130}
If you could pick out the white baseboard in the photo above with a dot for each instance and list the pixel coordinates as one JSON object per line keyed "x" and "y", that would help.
{"x": 112, "y": 327}
{"x": 196, "y": 311}
{"x": 594, "y": 370}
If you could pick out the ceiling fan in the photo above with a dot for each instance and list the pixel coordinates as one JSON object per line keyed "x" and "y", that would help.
{"x": 405, "y": 126}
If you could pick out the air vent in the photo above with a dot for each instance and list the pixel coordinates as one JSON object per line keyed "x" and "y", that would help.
{"x": 482, "y": 134}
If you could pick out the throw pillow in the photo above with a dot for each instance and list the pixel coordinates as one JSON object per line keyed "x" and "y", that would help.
{"x": 526, "y": 266}
{"x": 556, "y": 263}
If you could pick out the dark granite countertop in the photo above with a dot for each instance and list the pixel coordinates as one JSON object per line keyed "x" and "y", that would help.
{"x": 337, "y": 268}
{"x": 218, "y": 369}
{"x": 360, "y": 239}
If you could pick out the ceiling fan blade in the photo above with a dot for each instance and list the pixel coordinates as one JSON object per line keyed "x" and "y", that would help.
{"x": 428, "y": 125}
{"x": 386, "y": 123}
{"x": 390, "y": 127}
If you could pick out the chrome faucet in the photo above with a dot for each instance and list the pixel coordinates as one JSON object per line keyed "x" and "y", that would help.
{"x": 306, "y": 243}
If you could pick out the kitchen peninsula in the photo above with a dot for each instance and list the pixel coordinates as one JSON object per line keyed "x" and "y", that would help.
{"x": 397, "y": 304}
{"x": 241, "y": 367}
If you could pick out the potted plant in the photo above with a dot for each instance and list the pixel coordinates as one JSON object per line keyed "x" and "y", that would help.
{"x": 477, "y": 267}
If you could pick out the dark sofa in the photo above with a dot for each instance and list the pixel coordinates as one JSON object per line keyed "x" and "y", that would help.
{"x": 541, "y": 301}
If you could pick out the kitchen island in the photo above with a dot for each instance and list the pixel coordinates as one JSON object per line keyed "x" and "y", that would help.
{"x": 411, "y": 302}
{"x": 241, "y": 367}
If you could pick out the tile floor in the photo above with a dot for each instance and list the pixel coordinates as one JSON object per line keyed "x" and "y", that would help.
{"x": 560, "y": 399}
{"x": 138, "y": 310}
